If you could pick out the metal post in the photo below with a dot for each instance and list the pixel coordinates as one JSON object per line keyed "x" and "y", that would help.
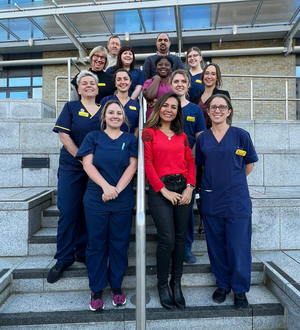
{"x": 251, "y": 100}
{"x": 69, "y": 79}
{"x": 286, "y": 100}
{"x": 140, "y": 231}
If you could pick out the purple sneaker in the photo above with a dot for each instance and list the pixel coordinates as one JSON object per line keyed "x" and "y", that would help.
{"x": 119, "y": 298}
{"x": 96, "y": 304}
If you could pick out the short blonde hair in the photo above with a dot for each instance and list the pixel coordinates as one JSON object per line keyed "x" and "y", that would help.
{"x": 85, "y": 73}
{"x": 99, "y": 49}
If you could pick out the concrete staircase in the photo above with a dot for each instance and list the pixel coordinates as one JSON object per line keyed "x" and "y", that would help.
{"x": 32, "y": 303}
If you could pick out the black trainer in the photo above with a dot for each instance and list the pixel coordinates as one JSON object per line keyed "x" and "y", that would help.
{"x": 56, "y": 272}
{"x": 219, "y": 296}
{"x": 240, "y": 301}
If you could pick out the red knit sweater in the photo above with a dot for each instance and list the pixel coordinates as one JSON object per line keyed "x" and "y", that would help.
{"x": 166, "y": 157}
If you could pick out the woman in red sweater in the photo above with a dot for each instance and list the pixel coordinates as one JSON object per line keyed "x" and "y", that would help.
{"x": 170, "y": 170}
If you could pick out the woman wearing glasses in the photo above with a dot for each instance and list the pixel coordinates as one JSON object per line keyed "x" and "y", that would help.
{"x": 226, "y": 154}
{"x": 99, "y": 61}
{"x": 194, "y": 60}
{"x": 212, "y": 80}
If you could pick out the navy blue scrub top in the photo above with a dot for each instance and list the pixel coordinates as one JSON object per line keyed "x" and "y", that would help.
{"x": 131, "y": 108}
{"x": 76, "y": 121}
{"x": 193, "y": 122}
{"x": 137, "y": 78}
{"x": 111, "y": 158}
{"x": 224, "y": 189}
{"x": 197, "y": 85}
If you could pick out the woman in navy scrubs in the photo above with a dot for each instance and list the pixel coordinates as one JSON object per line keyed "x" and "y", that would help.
{"x": 227, "y": 156}
{"x": 194, "y": 124}
{"x": 76, "y": 120}
{"x": 110, "y": 159}
{"x": 126, "y": 60}
{"x": 122, "y": 80}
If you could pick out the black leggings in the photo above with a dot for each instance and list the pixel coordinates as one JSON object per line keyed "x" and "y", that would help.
{"x": 171, "y": 222}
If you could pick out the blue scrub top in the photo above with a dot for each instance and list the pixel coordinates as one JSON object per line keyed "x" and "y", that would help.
{"x": 131, "y": 108}
{"x": 137, "y": 78}
{"x": 76, "y": 121}
{"x": 193, "y": 122}
{"x": 197, "y": 85}
{"x": 224, "y": 189}
{"x": 111, "y": 158}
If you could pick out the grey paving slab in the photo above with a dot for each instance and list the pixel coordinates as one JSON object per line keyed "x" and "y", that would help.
{"x": 294, "y": 255}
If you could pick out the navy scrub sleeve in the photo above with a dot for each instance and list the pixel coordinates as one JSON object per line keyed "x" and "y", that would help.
{"x": 224, "y": 189}
{"x": 111, "y": 158}
{"x": 76, "y": 121}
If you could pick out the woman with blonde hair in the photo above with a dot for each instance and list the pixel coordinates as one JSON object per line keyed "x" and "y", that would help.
{"x": 99, "y": 61}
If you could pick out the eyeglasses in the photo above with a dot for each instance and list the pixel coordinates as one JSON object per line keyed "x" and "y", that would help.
{"x": 98, "y": 57}
{"x": 221, "y": 107}
{"x": 193, "y": 56}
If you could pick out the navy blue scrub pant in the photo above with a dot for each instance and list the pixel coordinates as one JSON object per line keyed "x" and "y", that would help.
{"x": 71, "y": 232}
{"x": 171, "y": 222}
{"x": 229, "y": 249}
{"x": 190, "y": 232}
{"x": 109, "y": 237}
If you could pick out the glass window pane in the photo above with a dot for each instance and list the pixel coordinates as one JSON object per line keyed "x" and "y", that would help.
{"x": 2, "y": 95}
{"x": 18, "y": 95}
{"x": 37, "y": 93}
{"x": 195, "y": 17}
{"x": 3, "y": 82}
{"x": 37, "y": 81}
{"x": 159, "y": 19}
{"x": 127, "y": 21}
{"x": 13, "y": 82}
{"x": 298, "y": 71}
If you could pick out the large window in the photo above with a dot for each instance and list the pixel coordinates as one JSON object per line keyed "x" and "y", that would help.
{"x": 21, "y": 82}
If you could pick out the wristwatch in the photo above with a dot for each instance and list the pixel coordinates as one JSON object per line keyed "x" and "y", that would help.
{"x": 191, "y": 186}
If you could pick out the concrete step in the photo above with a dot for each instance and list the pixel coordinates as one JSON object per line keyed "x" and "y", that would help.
{"x": 51, "y": 214}
{"x": 69, "y": 310}
{"x": 30, "y": 275}
{"x": 44, "y": 242}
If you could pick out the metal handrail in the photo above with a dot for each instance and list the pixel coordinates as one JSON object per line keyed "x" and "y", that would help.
{"x": 286, "y": 99}
{"x": 140, "y": 231}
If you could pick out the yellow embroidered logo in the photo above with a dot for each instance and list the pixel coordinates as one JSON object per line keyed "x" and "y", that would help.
{"x": 190, "y": 118}
{"x": 83, "y": 114}
{"x": 132, "y": 107}
{"x": 240, "y": 152}
{"x": 198, "y": 81}
{"x": 101, "y": 84}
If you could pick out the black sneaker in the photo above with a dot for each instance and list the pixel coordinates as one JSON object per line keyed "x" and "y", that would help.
{"x": 219, "y": 296}
{"x": 240, "y": 301}
{"x": 56, "y": 272}
{"x": 80, "y": 259}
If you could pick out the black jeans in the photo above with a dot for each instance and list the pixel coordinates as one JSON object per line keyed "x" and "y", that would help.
{"x": 171, "y": 222}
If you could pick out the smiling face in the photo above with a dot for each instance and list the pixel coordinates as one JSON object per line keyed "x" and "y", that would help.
{"x": 163, "y": 44}
{"x": 163, "y": 68}
{"x": 218, "y": 110}
{"x": 210, "y": 76}
{"x": 168, "y": 111}
{"x": 113, "y": 47}
{"x": 114, "y": 116}
{"x": 122, "y": 81}
{"x": 98, "y": 61}
{"x": 180, "y": 84}
{"x": 194, "y": 58}
{"x": 127, "y": 58}
{"x": 87, "y": 87}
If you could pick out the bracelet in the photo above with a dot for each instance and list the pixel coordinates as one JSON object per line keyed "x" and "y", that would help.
{"x": 191, "y": 186}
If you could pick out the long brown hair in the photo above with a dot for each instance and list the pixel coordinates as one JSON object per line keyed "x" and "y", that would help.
{"x": 154, "y": 119}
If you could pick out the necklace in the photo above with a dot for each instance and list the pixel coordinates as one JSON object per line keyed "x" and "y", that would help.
{"x": 168, "y": 133}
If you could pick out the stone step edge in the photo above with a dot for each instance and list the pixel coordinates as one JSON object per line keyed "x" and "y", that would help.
{"x": 53, "y": 239}
{"x": 131, "y": 271}
{"x": 122, "y": 315}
